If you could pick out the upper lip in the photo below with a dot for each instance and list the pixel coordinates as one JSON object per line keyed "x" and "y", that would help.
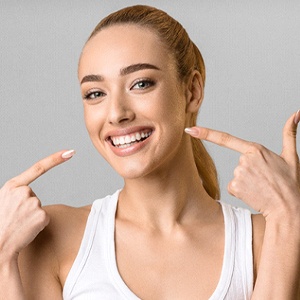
{"x": 126, "y": 131}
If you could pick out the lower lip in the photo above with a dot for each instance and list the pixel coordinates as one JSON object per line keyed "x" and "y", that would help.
{"x": 131, "y": 149}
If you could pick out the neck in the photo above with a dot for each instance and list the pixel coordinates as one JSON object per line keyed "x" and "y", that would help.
{"x": 165, "y": 199}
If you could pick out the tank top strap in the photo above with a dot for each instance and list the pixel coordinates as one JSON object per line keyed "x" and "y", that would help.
{"x": 86, "y": 243}
{"x": 94, "y": 271}
{"x": 236, "y": 281}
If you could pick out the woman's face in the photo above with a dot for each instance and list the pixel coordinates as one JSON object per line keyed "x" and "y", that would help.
{"x": 134, "y": 104}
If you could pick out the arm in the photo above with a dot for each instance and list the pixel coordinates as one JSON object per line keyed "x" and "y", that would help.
{"x": 270, "y": 184}
{"x": 10, "y": 283}
{"x": 281, "y": 245}
{"x": 279, "y": 270}
{"x": 45, "y": 264}
{"x": 21, "y": 220}
{"x": 39, "y": 266}
{"x": 33, "y": 274}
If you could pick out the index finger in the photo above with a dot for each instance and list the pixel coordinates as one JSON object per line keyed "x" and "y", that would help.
{"x": 41, "y": 167}
{"x": 220, "y": 138}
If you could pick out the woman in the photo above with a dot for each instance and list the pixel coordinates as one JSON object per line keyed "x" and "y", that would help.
{"x": 164, "y": 235}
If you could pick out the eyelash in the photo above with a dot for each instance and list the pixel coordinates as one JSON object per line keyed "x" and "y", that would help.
{"x": 147, "y": 82}
{"x": 94, "y": 95}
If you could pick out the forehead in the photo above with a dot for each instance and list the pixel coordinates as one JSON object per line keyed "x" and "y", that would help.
{"x": 118, "y": 46}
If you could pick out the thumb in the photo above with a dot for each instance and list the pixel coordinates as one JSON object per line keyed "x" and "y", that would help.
{"x": 289, "y": 147}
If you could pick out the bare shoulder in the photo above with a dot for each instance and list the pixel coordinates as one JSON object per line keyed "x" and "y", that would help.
{"x": 258, "y": 228}
{"x": 66, "y": 227}
{"x": 65, "y": 223}
{"x": 45, "y": 263}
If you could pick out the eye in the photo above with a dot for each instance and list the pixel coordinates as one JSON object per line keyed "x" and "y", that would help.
{"x": 93, "y": 95}
{"x": 142, "y": 84}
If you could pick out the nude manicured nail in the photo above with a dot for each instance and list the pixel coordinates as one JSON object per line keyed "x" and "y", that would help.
{"x": 68, "y": 154}
{"x": 297, "y": 117}
{"x": 191, "y": 131}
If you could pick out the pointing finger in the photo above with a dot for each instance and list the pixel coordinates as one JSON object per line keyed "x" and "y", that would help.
{"x": 220, "y": 138}
{"x": 41, "y": 167}
{"x": 289, "y": 148}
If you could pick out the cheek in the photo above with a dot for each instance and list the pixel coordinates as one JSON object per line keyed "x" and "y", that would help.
{"x": 94, "y": 120}
{"x": 171, "y": 106}
{"x": 174, "y": 113}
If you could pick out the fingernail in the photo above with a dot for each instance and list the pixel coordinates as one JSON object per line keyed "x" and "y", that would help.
{"x": 191, "y": 131}
{"x": 297, "y": 117}
{"x": 68, "y": 154}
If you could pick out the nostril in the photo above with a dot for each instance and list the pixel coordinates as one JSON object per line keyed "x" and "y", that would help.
{"x": 124, "y": 120}
{"x": 121, "y": 119}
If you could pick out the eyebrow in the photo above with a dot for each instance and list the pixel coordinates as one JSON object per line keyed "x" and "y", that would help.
{"x": 137, "y": 67}
{"x": 91, "y": 78}
{"x": 123, "y": 72}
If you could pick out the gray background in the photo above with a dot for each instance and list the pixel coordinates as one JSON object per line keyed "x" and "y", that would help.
{"x": 252, "y": 55}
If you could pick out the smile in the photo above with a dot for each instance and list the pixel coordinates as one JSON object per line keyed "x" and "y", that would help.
{"x": 128, "y": 140}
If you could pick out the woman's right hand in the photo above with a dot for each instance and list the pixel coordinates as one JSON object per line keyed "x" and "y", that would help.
{"x": 21, "y": 214}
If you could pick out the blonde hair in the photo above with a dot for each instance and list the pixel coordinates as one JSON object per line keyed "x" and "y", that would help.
{"x": 187, "y": 57}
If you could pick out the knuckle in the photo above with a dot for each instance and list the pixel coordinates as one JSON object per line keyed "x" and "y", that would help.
{"x": 43, "y": 217}
{"x": 39, "y": 169}
{"x": 205, "y": 133}
{"x": 55, "y": 160}
{"x": 35, "y": 203}
{"x": 243, "y": 160}
{"x": 292, "y": 133}
{"x": 256, "y": 148}
{"x": 230, "y": 189}
{"x": 26, "y": 191}
{"x": 10, "y": 184}
{"x": 233, "y": 188}
{"x": 225, "y": 139}
{"x": 238, "y": 171}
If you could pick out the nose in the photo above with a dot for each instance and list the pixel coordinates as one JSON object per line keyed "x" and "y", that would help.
{"x": 120, "y": 110}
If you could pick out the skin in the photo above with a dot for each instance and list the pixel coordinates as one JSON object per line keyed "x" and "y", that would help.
{"x": 157, "y": 213}
{"x": 277, "y": 196}
{"x": 124, "y": 104}
{"x": 149, "y": 208}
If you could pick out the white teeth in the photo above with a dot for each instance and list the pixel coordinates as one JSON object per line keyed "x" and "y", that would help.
{"x": 128, "y": 140}
{"x": 123, "y": 146}
{"x": 138, "y": 136}
{"x": 121, "y": 140}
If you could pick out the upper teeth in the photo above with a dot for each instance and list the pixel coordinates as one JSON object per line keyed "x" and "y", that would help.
{"x": 127, "y": 139}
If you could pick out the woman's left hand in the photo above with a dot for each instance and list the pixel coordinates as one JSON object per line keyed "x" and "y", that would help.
{"x": 267, "y": 182}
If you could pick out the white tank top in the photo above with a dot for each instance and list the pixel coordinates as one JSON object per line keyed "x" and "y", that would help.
{"x": 94, "y": 274}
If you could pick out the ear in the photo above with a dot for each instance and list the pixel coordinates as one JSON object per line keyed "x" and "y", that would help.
{"x": 194, "y": 92}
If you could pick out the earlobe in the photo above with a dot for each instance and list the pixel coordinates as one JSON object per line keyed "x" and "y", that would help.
{"x": 195, "y": 92}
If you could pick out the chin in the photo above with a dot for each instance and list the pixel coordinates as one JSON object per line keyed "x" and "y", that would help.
{"x": 131, "y": 172}
{"x": 133, "y": 169}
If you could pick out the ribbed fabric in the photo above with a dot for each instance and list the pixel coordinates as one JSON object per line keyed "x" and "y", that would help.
{"x": 94, "y": 274}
